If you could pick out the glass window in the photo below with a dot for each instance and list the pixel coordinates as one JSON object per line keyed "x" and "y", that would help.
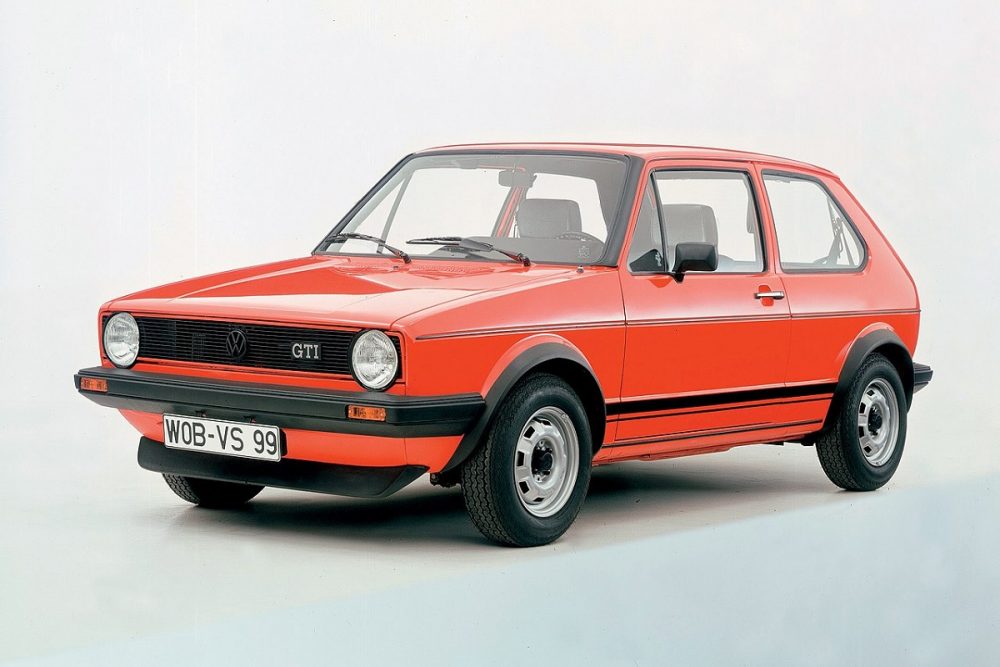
{"x": 813, "y": 233}
{"x": 446, "y": 202}
{"x": 645, "y": 253}
{"x": 565, "y": 207}
{"x": 581, "y": 190}
{"x": 712, "y": 207}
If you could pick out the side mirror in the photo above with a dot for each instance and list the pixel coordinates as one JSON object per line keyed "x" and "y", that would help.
{"x": 694, "y": 257}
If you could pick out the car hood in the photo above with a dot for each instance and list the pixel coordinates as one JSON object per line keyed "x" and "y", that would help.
{"x": 353, "y": 291}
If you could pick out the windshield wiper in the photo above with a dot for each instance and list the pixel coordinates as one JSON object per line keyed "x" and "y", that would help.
{"x": 343, "y": 236}
{"x": 471, "y": 244}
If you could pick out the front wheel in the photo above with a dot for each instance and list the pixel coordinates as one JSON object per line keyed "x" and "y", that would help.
{"x": 524, "y": 486}
{"x": 211, "y": 493}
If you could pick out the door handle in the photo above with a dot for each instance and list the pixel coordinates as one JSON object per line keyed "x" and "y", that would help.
{"x": 769, "y": 295}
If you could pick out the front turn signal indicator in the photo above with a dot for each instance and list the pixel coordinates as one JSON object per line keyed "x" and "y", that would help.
{"x": 366, "y": 412}
{"x": 94, "y": 384}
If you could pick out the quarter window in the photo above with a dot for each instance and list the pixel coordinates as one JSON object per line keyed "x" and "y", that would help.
{"x": 645, "y": 254}
{"x": 712, "y": 207}
{"x": 813, "y": 232}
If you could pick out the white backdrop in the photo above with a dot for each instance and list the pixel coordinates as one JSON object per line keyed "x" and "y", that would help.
{"x": 142, "y": 143}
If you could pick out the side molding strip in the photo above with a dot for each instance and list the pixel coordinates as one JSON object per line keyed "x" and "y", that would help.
{"x": 719, "y": 398}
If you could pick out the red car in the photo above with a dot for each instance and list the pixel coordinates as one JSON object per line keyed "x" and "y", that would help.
{"x": 506, "y": 317}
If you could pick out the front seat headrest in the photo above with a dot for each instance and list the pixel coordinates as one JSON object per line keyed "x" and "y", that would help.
{"x": 547, "y": 218}
{"x": 690, "y": 223}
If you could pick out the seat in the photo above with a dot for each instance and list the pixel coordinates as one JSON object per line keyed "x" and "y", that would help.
{"x": 547, "y": 218}
{"x": 690, "y": 223}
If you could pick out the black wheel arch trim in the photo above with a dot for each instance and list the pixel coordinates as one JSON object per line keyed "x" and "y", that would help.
{"x": 890, "y": 343}
{"x": 528, "y": 361}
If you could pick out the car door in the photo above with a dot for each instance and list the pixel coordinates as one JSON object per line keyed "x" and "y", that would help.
{"x": 704, "y": 355}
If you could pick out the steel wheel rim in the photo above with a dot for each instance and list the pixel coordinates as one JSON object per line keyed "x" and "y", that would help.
{"x": 878, "y": 422}
{"x": 546, "y": 462}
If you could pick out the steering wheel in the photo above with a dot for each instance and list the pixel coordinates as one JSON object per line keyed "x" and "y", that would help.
{"x": 578, "y": 236}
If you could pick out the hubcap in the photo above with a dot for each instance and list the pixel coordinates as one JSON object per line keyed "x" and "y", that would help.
{"x": 878, "y": 422}
{"x": 546, "y": 462}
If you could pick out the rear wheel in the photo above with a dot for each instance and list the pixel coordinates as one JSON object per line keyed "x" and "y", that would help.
{"x": 211, "y": 493}
{"x": 862, "y": 449}
{"x": 525, "y": 485}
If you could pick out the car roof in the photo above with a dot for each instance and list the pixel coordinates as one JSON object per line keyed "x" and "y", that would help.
{"x": 644, "y": 151}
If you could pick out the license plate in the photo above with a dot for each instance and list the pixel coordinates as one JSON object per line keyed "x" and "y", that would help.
{"x": 214, "y": 436}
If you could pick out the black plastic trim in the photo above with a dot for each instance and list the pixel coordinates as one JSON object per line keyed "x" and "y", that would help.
{"x": 708, "y": 433}
{"x": 922, "y": 374}
{"x": 859, "y": 351}
{"x": 341, "y": 480}
{"x": 287, "y": 407}
{"x": 718, "y": 399}
{"x": 518, "y": 368}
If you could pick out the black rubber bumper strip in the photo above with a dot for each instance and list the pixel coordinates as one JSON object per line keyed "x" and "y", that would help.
{"x": 341, "y": 480}
{"x": 922, "y": 375}
{"x": 286, "y": 407}
{"x": 719, "y": 399}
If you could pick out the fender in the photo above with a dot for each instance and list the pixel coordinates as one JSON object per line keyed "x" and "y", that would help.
{"x": 895, "y": 349}
{"x": 520, "y": 366}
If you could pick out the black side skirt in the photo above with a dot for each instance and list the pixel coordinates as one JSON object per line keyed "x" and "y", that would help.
{"x": 341, "y": 480}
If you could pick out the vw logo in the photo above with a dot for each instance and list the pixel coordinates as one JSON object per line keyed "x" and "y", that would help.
{"x": 236, "y": 344}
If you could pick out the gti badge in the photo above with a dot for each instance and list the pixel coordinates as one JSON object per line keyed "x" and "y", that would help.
{"x": 308, "y": 351}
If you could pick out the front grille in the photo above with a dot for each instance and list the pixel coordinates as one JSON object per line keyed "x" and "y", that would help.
{"x": 266, "y": 346}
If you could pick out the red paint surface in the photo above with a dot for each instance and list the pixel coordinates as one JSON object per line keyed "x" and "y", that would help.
{"x": 462, "y": 322}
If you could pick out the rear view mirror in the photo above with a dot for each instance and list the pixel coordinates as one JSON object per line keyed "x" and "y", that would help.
{"x": 694, "y": 257}
{"x": 509, "y": 178}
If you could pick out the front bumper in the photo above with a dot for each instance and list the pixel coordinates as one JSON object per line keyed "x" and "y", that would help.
{"x": 341, "y": 480}
{"x": 286, "y": 407}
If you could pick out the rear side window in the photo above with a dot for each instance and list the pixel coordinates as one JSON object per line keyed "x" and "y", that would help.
{"x": 812, "y": 231}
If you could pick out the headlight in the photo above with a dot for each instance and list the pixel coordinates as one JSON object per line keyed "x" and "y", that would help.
{"x": 374, "y": 360}
{"x": 121, "y": 340}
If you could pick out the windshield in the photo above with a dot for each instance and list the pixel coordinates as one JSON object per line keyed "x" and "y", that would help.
{"x": 549, "y": 208}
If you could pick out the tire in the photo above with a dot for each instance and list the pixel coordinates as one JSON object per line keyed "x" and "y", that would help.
{"x": 211, "y": 493}
{"x": 850, "y": 451}
{"x": 545, "y": 410}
